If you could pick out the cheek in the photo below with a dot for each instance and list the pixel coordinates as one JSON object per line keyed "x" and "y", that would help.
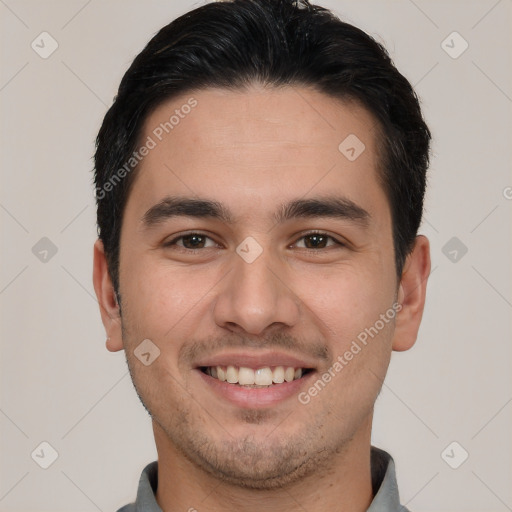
{"x": 350, "y": 311}
{"x": 347, "y": 299}
{"x": 158, "y": 384}
{"x": 158, "y": 296}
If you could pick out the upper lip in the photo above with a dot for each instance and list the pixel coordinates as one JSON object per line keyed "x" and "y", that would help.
{"x": 255, "y": 360}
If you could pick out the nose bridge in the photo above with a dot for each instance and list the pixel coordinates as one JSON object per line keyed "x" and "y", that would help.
{"x": 253, "y": 296}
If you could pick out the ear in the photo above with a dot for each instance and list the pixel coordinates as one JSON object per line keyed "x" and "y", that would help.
{"x": 107, "y": 300}
{"x": 411, "y": 295}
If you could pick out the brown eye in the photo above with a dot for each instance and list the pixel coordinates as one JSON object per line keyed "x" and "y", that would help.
{"x": 317, "y": 241}
{"x": 191, "y": 241}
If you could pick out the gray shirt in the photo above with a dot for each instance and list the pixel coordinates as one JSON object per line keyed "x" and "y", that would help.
{"x": 385, "y": 489}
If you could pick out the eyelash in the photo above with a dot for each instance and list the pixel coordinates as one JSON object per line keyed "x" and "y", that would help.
{"x": 321, "y": 233}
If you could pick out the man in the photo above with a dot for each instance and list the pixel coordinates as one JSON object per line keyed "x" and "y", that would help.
{"x": 259, "y": 182}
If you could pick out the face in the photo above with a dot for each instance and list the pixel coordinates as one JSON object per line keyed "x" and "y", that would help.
{"x": 256, "y": 254}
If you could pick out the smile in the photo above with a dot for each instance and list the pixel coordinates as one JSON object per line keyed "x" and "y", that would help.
{"x": 259, "y": 377}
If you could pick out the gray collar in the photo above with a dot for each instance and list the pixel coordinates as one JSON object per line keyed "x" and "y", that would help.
{"x": 385, "y": 489}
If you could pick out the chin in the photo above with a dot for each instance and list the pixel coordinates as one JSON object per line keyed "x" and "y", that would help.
{"x": 258, "y": 462}
{"x": 253, "y": 469}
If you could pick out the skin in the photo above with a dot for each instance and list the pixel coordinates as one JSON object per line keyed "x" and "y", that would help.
{"x": 252, "y": 151}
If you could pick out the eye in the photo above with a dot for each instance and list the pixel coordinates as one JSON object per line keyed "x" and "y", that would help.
{"x": 191, "y": 241}
{"x": 317, "y": 240}
{"x": 196, "y": 241}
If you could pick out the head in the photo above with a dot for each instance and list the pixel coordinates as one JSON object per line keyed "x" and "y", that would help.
{"x": 259, "y": 184}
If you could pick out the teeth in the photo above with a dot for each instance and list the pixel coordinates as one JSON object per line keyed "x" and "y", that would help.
{"x": 245, "y": 376}
{"x": 263, "y": 376}
{"x": 289, "y": 374}
{"x": 259, "y": 377}
{"x": 278, "y": 375}
{"x": 232, "y": 375}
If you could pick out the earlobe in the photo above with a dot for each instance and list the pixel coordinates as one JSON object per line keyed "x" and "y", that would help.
{"x": 411, "y": 295}
{"x": 111, "y": 346}
{"x": 107, "y": 299}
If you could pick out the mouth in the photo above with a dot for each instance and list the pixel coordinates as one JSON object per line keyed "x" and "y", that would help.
{"x": 264, "y": 377}
{"x": 254, "y": 379}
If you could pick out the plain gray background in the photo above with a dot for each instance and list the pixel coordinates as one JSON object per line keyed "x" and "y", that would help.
{"x": 61, "y": 386}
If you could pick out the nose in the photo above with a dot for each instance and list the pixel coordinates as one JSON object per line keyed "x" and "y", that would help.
{"x": 256, "y": 298}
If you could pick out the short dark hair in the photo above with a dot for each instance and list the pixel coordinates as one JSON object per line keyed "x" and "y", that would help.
{"x": 273, "y": 42}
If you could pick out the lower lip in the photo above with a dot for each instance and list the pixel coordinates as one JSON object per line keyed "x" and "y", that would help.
{"x": 253, "y": 398}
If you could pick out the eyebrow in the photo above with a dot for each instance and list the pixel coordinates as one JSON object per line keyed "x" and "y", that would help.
{"x": 328, "y": 207}
{"x": 331, "y": 206}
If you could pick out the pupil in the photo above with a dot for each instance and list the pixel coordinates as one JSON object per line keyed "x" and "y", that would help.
{"x": 315, "y": 241}
{"x": 194, "y": 241}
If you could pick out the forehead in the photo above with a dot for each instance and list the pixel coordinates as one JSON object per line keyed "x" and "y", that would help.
{"x": 257, "y": 144}
{"x": 258, "y": 114}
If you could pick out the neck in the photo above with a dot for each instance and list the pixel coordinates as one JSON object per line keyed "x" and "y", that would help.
{"x": 345, "y": 485}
